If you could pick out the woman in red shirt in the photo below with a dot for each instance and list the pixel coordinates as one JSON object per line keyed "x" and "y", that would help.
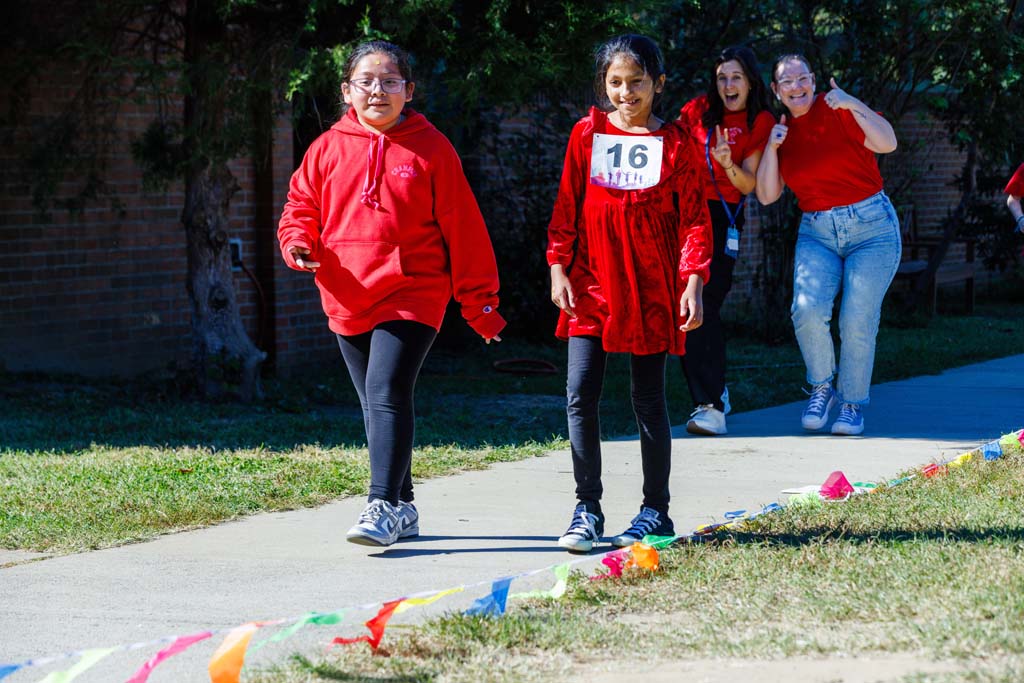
{"x": 824, "y": 149}
{"x": 729, "y": 127}
{"x": 381, "y": 213}
{"x": 629, "y": 245}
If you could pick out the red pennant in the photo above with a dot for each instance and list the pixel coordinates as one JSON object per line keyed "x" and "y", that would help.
{"x": 376, "y": 625}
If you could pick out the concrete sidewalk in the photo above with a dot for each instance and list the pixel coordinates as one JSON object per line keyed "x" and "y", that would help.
{"x": 476, "y": 527}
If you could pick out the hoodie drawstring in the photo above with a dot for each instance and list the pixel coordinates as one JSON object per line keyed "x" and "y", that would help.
{"x": 374, "y": 168}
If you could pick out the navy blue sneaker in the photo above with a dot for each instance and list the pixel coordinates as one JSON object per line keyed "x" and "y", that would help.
{"x": 649, "y": 522}
{"x": 584, "y": 530}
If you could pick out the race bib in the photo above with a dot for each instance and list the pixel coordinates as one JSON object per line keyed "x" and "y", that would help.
{"x": 626, "y": 162}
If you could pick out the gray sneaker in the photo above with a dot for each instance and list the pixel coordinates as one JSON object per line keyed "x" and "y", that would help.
{"x": 408, "y": 520}
{"x": 378, "y": 525}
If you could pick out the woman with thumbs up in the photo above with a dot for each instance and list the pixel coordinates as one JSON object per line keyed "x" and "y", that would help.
{"x": 824, "y": 149}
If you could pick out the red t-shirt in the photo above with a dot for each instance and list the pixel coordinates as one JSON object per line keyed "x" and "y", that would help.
{"x": 1016, "y": 184}
{"x": 744, "y": 142}
{"x": 824, "y": 160}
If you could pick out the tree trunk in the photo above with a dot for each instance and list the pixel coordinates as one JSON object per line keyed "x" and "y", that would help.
{"x": 223, "y": 355}
{"x": 224, "y": 358}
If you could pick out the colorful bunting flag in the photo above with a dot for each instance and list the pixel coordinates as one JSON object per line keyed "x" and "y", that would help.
{"x": 642, "y": 556}
{"x": 660, "y": 542}
{"x": 376, "y": 625}
{"x": 180, "y": 644}
{"x": 836, "y": 487}
{"x": 615, "y": 562}
{"x": 931, "y": 470}
{"x": 992, "y": 451}
{"x": 226, "y": 664}
{"x": 1020, "y": 438}
{"x": 320, "y": 619}
{"x": 88, "y": 660}
{"x": 7, "y": 669}
{"x": 493, "y": 604}
{"x": 960, "y": 460}
{"x": 409, "y": 603}
{"x": 556, "y": 591}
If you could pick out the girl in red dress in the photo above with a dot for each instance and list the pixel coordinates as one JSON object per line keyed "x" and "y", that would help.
{"x": 629, "y": 245}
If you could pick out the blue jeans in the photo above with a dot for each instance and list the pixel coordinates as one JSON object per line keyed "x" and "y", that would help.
{"x": 856, "y": 248}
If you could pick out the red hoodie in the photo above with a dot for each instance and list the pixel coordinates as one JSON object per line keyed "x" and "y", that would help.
{"x": 394, "y": 226}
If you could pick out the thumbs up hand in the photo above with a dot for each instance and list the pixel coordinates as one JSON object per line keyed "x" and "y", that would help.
{"x": 837, "y": 98}
{"x": 779, "y": 131}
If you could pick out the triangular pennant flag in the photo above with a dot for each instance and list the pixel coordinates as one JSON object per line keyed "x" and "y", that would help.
{"x": 493, "y": 604}
{"x": 836, "y": 487}
{"x": 643, "y": 556}
{"x": 660, "y": 542}
{"x": 376, "y": 625}
{"x": 931, "y": 470}
{"x": 180, "y": 644}
{"x": 320, "y": 619}
{"x": 614, "y": 561}
{"x": 1020, "y": 438}
{"x": 991, "y": 451}
{"x": 419, "y": 602}
{"x": 88, "y": 660}
{"x": 7, "y": 669}
{"x": 556, "y": 591}
{"x": 226, "y": 664}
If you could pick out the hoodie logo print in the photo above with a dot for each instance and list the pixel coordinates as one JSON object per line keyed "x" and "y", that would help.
{"x": 405, "y": 171}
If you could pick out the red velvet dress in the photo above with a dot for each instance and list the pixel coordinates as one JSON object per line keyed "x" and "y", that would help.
{"x": 629, "y": 253}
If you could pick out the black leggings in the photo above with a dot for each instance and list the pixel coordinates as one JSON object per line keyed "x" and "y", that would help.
{"x": 704, "y": 362}
{"x": 384, "y": 364}
{"x": 587, "y": 360}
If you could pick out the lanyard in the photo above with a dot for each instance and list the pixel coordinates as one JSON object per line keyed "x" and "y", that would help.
{"x": 725, "y": 205}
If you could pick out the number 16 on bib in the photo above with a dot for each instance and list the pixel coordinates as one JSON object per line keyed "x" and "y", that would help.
{"x": 626, "y": 162}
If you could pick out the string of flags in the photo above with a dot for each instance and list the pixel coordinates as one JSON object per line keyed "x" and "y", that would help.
{"x": 226, "y": 664}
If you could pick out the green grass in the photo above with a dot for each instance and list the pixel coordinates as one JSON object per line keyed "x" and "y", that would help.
{"x": 92, "y": 464}
{"x": 933, "y": 569}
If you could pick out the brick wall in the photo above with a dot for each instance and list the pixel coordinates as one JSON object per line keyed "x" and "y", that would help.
{"x": 103, "y": 293}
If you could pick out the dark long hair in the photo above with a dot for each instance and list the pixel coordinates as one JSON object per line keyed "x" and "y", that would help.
{"x": 640, "y": 49}
{"x": 757, "y": 100}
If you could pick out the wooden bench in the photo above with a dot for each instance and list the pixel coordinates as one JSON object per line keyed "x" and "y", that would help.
{"x": 918, "y": 250}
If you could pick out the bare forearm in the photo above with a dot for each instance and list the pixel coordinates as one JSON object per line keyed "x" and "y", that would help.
{"x": 769, "y": 181}
{"x": 879, "y": 135}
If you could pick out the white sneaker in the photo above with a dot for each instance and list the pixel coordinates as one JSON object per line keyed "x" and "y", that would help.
{"x": 726, "y": 406}
{"x": 378, "y": 525}
{"x": 408, "y": 519}
{"x": 707, "y": 420}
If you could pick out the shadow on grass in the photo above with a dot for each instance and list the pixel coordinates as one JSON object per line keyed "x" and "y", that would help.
{"x": 329, "y": 672}
{"x": 824, "y": 534}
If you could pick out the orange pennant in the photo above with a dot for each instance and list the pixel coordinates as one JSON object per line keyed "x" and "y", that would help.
{"x": 226, "y": 663}
{"x": 643, "y": 556}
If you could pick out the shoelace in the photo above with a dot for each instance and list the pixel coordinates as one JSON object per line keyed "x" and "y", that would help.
{"x": 702, "y": 409}
{"x": 373, "y": 512}
{"x": 848, "y": 413}
{"x": 643, "y": 523}
{"x": 819, "y": 398}
{"x": 581, "y": 521}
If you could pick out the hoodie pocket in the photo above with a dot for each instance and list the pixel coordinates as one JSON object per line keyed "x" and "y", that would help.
{"x": 355, "y": 276}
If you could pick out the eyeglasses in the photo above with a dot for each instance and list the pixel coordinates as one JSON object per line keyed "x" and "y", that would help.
{"x": 388, "y": 85}
{"x": 801, "y": 81}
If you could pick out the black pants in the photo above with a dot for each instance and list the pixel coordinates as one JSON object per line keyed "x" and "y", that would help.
{"x": 384, "y": 365}
{"x": 704, "y": 362}
{"x": 587, "y": 362}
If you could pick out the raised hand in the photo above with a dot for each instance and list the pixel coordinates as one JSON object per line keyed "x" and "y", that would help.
{"x": 837, "y": 98}
{"x": 779, "y": 132}
{"x": 721, "y": 151}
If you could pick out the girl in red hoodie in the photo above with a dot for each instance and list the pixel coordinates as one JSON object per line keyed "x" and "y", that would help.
{"x": 381, "y": 213}
{"x": 629, "y": 245}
